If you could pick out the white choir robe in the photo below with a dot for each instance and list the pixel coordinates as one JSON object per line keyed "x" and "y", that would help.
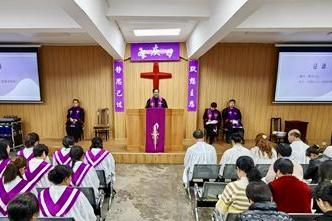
{"x": 262, "y": 158}
{"x": 199, "y": 153}
{"x": 107, "y": 164}
{"x": 299, "y": 152}
{"x": 328, "y": 151}
{"x": 81, "y": 210}
{"x": 64, "y": 151}
{"x": 231, "y": 155}
{"x": 43, "y": 182}
{"x": 29, "y": 151}
{"x": 90, "y": 180}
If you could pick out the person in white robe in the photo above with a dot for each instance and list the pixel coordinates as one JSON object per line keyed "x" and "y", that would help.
{"x": 199, "y": 153}
{"x": 62, "y": 156}
{"x": 298, "y": 147}
{"x": 328, "y": 151}
{"x": 263, "y": 152}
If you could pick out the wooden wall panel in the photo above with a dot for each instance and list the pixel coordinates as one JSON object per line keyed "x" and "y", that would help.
{"x": 247, "y": 73}
{"x": 84, "y": 72}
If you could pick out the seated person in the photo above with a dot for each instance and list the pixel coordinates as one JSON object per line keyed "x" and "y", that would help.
{"x": 30, "y": 140}
{"x": 83, "y": 174}
{"x": 316, "y": 159}
{"x": 290, "y": 194}
{"x": 298, "y": 147}
{"x": 24, "y": 207}
{"x": 63, "y": 200}
{"x": 199, "y": 153}
{"x": 212, "y": 122}
{"x": 284, "y": 151}
{"x": 12, "y": 183}
{"x": 231, "y": 155}
{"x": 233, "y": 199}
{"x": 101, "y": 159}
{"x": 323, "y": 195}
{"x": 263, "y": 152}
{"x": 325, "y": 172}
{"x": 328, "y": 151}
{"x": 262, "y": 207}
{"x": 61, "y": 157}
{"x": 232, "y": 120}
{"x": 37, "y": 169}
{"x": 4, "y": 155}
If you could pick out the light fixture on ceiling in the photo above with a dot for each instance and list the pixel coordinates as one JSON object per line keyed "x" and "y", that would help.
{"x": 157, "y": 32}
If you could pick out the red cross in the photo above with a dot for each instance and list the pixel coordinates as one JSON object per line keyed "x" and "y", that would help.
{"x": 156, "y": 75}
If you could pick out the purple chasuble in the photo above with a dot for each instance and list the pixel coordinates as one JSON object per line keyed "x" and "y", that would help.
{"x": 20, "y": 153}
{"x": 95, "y": 160}
{"x": 3, "y": 165}
{"x": 62, "y": 159}
{"x": 156, "y": 102}
{"x": 78, "y": 175}
{"x": 33, "y": 177}
{"x": 49, "y": 208}
{"x": 234, "y": 114}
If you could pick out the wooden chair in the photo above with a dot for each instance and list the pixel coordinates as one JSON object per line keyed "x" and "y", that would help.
{"x": 276, "y": 133}
{"x": 103, "y": 126}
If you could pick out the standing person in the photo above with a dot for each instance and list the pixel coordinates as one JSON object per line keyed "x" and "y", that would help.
{"x": 232, "y": 119}
{"x": 212, "y": 122}
{"x": 298, "y": 147}
{"x": 156, "y": 101}
{"x": 75, "y": 120}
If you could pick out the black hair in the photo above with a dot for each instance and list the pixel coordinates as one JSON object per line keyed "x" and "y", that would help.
{"x": 198, "y": 134}
{"x": 155, "y": 89}
{"x": 247, "y": 165}
{"x": 96, "y": 142}
{"x": 236, "y": 137}
{"x": 213, "y": 105}
{"x": 68, "y": 141}
{"x": 324, "y": 192}
{"x": 23, "y": 207}
{"x": 76, "y": 154}
{"x": 232, "y": 100}
{"x": 75, "y": 99}
{"x": 285, "y": 166}
{"x": 258, "y": 192}
{"x": 314, "y": 149}
{"x": 39, "y": 150}
{"x": 59, "y": 173}
{"x": 284, "y": 149}
{"x": 325, "y": 171}
{"x": 3, "y": 149}
{"x": 13, "y": 169}
{"x": 30, "y": 139}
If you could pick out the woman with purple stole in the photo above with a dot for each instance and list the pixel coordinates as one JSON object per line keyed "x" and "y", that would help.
{"x": 4, "y": 155}
{"x": 101, "y": 159}
{"x": 62, "y": 156}
{"x": 62, "y": 200}
{"x": 83, "y": 174}
{"x": 30, "y": 140}
{"x": 12, "y": 183}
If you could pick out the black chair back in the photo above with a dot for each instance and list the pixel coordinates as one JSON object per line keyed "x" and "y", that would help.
{"x": 263, "y": 168}
{"x": 206, "y": 171}
{"x": 229, "y": 172}
{"x": 304, "y": 216}
{"x": 102, "y": 178}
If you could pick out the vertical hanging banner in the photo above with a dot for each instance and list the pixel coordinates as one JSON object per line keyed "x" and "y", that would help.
{"x": 193, "y": 71}
{"x": 118, "y": 86}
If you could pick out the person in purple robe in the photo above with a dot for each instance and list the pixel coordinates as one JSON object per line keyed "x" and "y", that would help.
{"x": 23, "y": 207}
{"x": 4, "y": 155}
{"x": 212, "y": 122}
{"x": 156, "y": 101}
{"x": 232, "y": 120}
{"x": 75, "y": 120}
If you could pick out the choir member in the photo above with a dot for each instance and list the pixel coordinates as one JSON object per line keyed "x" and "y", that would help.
{"x": 62, "y": 156}
{"x": 4, "y": 155}
{"x": 23, "y": 207}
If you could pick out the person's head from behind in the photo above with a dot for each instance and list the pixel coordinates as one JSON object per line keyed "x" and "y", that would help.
{"x": 213, "y": 105}
{"x": 40, "y": 151}
{"x": 23, "y": 207}
{"x": 68, "y": 141}
{"x": 155, "y": 92}
{"x": 258, "y": 192}
{"x": 313, "y": 152}
{"x": 294, "y": 135}
{"x": 4, "y": 149}
{"x": 60, "y": 175}
{"x": 76, "y": 154}
{"x": 264, "y": 145}
{"x": 14, "y": 169}
{"x": 96, "y": 142}
{"x": 198, "y": 134}
{"x": 236, "y": 138}
{"x": 31, "y": 140}
{"x": 323, "y": 195}
{"x": 283, "y": 150}
{"x": 76, "y": 102}
{"x": 245, "y": 167}
{"x": 231, "y": 103}
{"x": 325, "y": 171}
{"x": 283, "y": 167}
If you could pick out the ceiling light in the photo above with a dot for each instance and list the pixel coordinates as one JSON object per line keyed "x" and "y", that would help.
{"x": 157, "y": 32}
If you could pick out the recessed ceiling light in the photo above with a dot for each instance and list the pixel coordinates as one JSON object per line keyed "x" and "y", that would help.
{"x": 157, "y": 32}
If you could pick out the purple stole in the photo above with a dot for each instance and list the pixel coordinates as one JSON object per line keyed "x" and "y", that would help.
{"x": 95, "y": 160}
{"x": 78, "y": 176}
{"x": 22, "y": 187}
{"x": 61, "y": 159}
{"x": 21, "y": 154}
{"x": 3, "y": 165}
{"x": 37, "y": 174}
{"x": 49, "y": 208}
{"x": 160, "y": 103}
